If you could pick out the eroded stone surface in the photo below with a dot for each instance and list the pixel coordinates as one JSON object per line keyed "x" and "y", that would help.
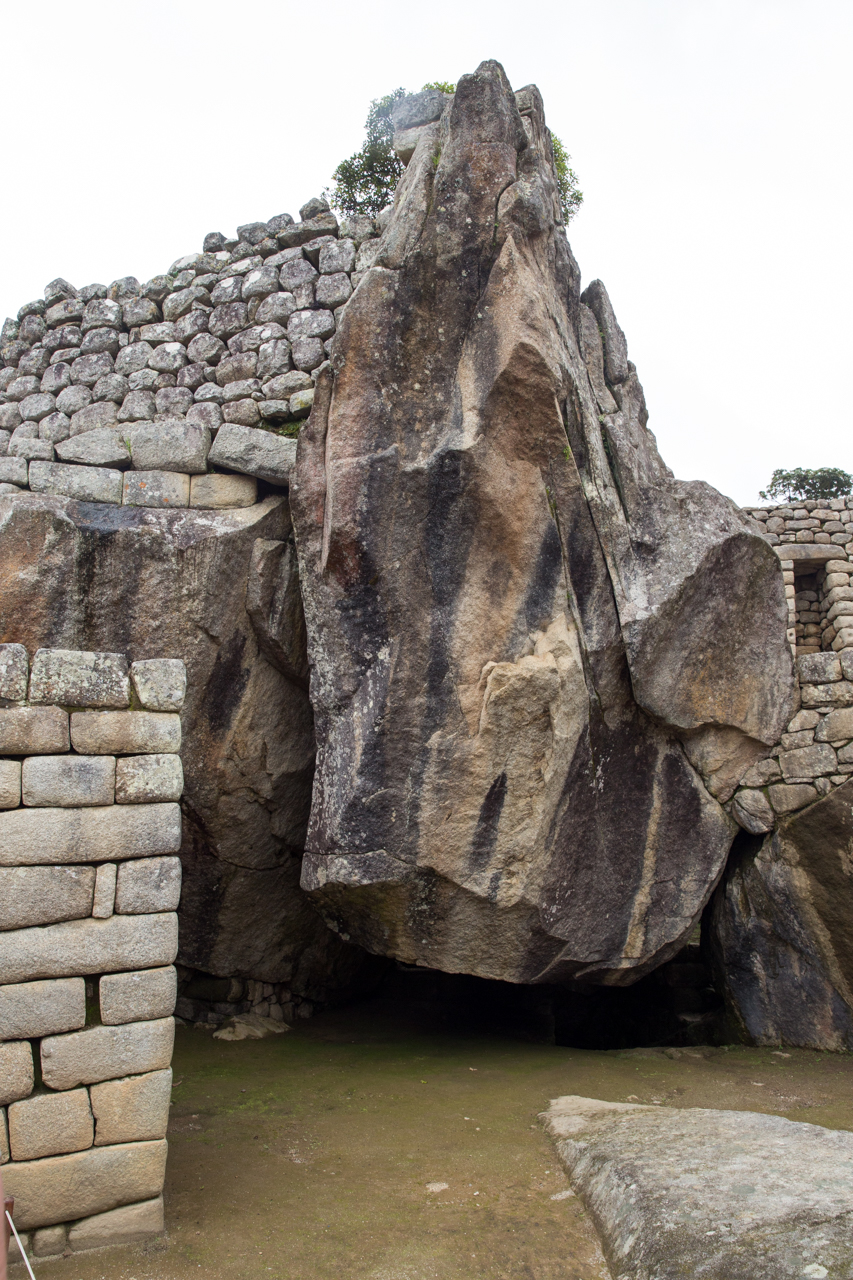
{"x": 62, "y": 1188}
{"x": 721, "y": 1195}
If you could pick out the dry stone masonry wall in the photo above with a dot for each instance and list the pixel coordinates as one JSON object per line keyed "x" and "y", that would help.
{"x": 90, "y": 777}
{"x": 188, "y": 390}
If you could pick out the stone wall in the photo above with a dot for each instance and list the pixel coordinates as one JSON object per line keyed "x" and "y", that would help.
{"x": 186, "y": 390}
{"x": 90, "y": 777}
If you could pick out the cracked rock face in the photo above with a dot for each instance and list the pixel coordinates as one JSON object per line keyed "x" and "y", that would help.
{"x": 219, "y": 590}
{"x": 534, "y": 670}
{"x": 782, "y": 929}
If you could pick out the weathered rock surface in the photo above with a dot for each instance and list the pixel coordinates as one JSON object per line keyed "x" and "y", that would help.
{"x": 508, "y": 665}
{"x": 715, "y": 1195}
{"x": 173, "y": 584}
{"x": 783, "y": 929}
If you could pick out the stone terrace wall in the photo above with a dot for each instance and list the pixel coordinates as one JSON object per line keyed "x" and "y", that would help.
{"x": 90, "y": 777}
{"x": 186, "y": 390}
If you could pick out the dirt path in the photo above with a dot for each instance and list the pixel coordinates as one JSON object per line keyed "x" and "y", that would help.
{"x": 310, "y": 1156}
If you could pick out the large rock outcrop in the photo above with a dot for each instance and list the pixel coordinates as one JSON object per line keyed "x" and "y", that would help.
{"x": 783, "y": 929}
{"x": 521, "y": 628}
{"x": 218, "y": 589}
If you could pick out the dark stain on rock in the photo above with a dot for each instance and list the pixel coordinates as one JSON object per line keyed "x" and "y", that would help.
{"x": 486, "y": 833}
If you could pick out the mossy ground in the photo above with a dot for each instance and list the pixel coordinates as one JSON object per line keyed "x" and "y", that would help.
{"x": 307, "y": 1156}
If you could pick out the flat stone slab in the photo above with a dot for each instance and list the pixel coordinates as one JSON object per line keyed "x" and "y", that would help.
{"x": 714, "y": 1195}
{"x": 809, "y": 552}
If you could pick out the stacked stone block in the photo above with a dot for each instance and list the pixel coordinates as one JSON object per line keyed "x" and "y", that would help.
{"x": 188, "y": 390}
{"x": 90, "y": 777}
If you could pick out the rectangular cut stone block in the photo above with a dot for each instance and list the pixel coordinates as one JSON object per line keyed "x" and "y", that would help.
{"x": 86, "y": 484}
{"x": 827, "y": 695}
{"x": 16, "y": 1072}
{"x": 149, "y": 779}
{"x": 105, "y": 891}
{"x": 219, "y": 492}
{"x": 62, "y": 1188}
{"x": 807, "y": 555}
{"x": 13, "y": 471}
{"x": 51, "y": 1124}
{"x": 49, "y": 1242}
{"x": 104, "y": 1053}
{"x": 176, "y": 446}
{"x": 80, "y": 679}
{"x": 151, "y": 884}
{"x": 128, "y": 1225}
{"x": 69, "y": 781}
{"x": 836, "y": 727}
{"x": 41, "y": 1009}
{"x": 14, "y": 671}
{"x": 33, "y": 730}
{"x": 125, "y": 732}
{"x": 44, "y": 895}
{"x": 132, "y": 1110}
{"x": 819, "y": 668}
{"x": 89, "y": 946}
{"x": 807, "y": 762}
{"x": 10, "y": 784}
{"x": 156, "y": 489}
{"x": 254, "y": 452}
{"x": 160, "y": 683}
{"x": 138, "y": 997}
{"x": 787, "y": 798}
{"x": 88, "y": 835}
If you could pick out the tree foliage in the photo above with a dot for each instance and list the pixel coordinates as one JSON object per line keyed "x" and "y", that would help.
{"x": 819, "y": 485}
{"x": 365, "y": 183}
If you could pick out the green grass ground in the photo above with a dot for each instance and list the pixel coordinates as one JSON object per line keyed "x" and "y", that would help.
{"x": 309, "y": 1156}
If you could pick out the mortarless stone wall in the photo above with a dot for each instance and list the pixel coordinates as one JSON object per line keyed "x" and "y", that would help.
{"x": 90, "y": 777}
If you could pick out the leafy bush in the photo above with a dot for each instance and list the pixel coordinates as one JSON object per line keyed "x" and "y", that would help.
{"x": 819, "y": 485}
{"x": 365, "y": 183}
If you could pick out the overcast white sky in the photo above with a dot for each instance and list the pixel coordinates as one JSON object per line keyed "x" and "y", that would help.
{"x": 711, "y": 139}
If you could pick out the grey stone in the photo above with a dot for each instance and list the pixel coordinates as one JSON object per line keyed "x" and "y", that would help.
{"x": 77, "y": 947}
{"x": 316, "y": 205}
{"x": 16, "y": 1077}
{"x": 14, "y": 672}
{"x": 752, "y": 811}
{"x": 296, "y": 272}
{"x": 138, "y": 997}
{"x": 124, "y": 288}
{"x": 62, "y": 1188}
{"x": 819, "y": 668}
{"x": 736, "y": 1190}
{"x": 44, "y": 895}
{"x": 55, "y": 428}
{"x": 418, "y": 108}
{"x": 139, "y": 311}
{"x": 86, "y": 370}
{"x": 838, "y": 694}
{"x": 275, "y": 411}
{"x": 160, "y": 683}
{"x": 785, "y": 798}
{"x": 367, "y": 255}
{"x": 301, "y": 402}
{"x": 35, "y": 407}
{"x": 228, "y": 319}
{"x": 124, "y": 732}
{"x": 73, "y": 399}
{"x": 189, "y": 326}
{"x": 192, "y": 376}
{"x": 31, "y": 330}
{"x": 32, "y": 449}
{"x": 205, "y": 415}
{"x": 137, "y": 406}
{"x": 98, "y": 340}
{"x": 10, "y": 416}
{"x": 35, "y": 362}
{"x": 56, "y": 378}
{"x": 69, "y": 781}
{"x": 209, "y": 393}
{"x": 100, "y": 312}
{"x": 77, "y": 678}
{"x": 245, "y": 388}
{"x": 145, "y": 380}
{"x": 135, "y": 1109}
{"x": 236, "y": 368}
{"x": 148, "y": 885}
{"x": 133, "y": 357}
{"x": 337, "y": 256}
{"x": 89, "y": 835}
{"x": 33, "y": 1009}
{"x": 4, "y": 441}
{"x": 22, "y": 387}
{"x": 86, "y": 484}
{"x": 148, "y": 779}
{"x": 228, "y": 290}
{"x": 184, "y": 301}
{"x": 223, "y": 492}
{"x": 405, "y": 141}
{"x": 358, "y": 228}
{"x": 169, "y": 357}
{"x": 243, "y": 412}
{"x": 333, "y": 291}
{"x": 131, "y": 1224}
{"x": 112, "y": 387}
{"x": 206, "y": 347}
{"x": 99, "y": 447}
{"x": 170, "y": 445}
{"x": 157, "y": 288}
{"x": 273, "y": 358}
{"x": 103, "y": 905}
{"x": 307, "y": 353}
{"x": 252, "y": 452}
{"x": 835, "y": 727}
{"x": 277, "y": 308}
{"x": 260, "y": 283}
{"x": 10, "y": 784}
{"x": 104, "y": 1053}
{"x": 51, "y": 1124}
{"x": 33, "y": 730}
{"x": 159, "y": 489}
